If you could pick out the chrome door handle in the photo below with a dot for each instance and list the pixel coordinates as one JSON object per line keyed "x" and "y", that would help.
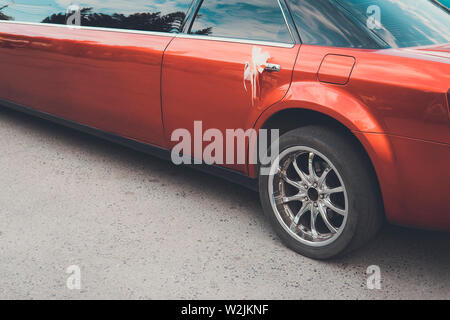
{"x": 270, "y": 67}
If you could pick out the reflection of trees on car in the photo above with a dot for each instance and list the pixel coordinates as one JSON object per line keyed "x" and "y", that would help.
{"x": 139, "y": 21}
{"x": 4, "y": 16}
{"x": 205, "y": 32}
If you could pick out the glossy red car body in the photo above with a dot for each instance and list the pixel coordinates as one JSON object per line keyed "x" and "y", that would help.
{"x": 142, "y": 86}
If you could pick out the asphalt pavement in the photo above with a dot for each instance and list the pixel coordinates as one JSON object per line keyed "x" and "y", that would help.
{"x": 141, "y": 228}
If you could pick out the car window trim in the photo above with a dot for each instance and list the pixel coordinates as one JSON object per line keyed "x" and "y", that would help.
{"x": 235, "y": 40}
{"x": 192, "y": 13}
{"x": 71, "y": 27}
{"x": 289, "y": 20}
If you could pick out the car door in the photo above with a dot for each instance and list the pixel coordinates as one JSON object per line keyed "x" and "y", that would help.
{"x": 102, "y": 70}
{"x": 234, "y": 60}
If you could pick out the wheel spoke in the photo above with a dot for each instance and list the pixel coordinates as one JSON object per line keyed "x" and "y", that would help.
{"x": 299, "y": 215}
{"x": 324, "y": 175}
{"x": 314, "y": 215}
{"x": 334, "y": 190}
{"x": 283, "y": 200}
{"x": 300, "y": 172}
{"x": 295, "y": 184}
{"x": 327, "y": 222}
{"x": 331, "y": 206}
{"x": 297, "y": 197}
{"x": 312, "y": 173}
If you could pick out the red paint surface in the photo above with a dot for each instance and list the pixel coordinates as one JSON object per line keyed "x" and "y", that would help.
{"x": 107, "y": 80}
{"x": 395, "y": 101}
{"x": 204, "y": 80}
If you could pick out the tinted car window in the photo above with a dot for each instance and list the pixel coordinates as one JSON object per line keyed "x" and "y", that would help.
{"x": 403, "y": 23}
{"x": 253, "y": 20}
{"x": 445, "y": 3}
{"x": 143, "y": 15}
{"x": 319, "y": 22}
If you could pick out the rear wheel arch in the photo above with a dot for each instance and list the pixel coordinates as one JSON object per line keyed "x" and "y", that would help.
{"x": 292, "y": 118}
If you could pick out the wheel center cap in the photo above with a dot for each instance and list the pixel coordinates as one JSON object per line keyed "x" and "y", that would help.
{"x": 313, "y": 194}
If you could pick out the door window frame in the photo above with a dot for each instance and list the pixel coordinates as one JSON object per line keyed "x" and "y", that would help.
{"x": 288, "y": 20}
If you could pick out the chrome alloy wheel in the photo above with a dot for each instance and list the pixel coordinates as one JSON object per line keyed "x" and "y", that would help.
{"x": 308, "y": 196}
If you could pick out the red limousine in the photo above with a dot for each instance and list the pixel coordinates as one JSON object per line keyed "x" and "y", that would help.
{"x": 359, "y": 91}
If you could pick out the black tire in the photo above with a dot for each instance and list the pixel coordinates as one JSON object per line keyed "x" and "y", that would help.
{"x": 365, "y": 210}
